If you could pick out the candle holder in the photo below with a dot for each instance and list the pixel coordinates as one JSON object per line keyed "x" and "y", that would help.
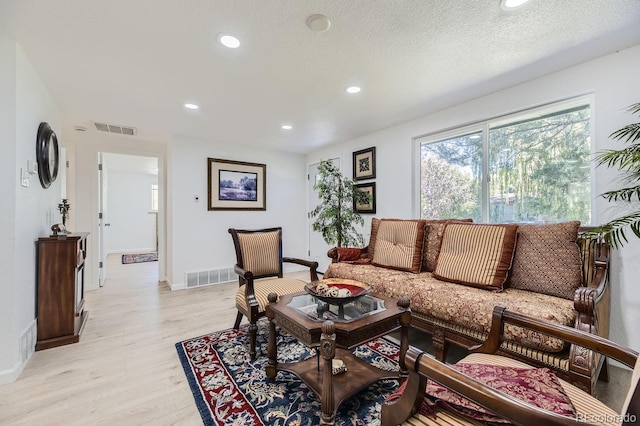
{"x": 64, "y": 208}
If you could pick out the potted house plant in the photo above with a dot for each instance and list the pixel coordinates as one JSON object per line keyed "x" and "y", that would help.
{"x": 626, "y": 160}
{"x": 335, "y": 216}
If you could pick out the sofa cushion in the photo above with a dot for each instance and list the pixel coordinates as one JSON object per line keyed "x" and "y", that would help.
{"x": 434, "y": 230}
{"x": 464, "y": 306}
{"x": 398, "y": 244}
{"x": 547, "y": 259}
{"x": 477, "y": 255}
{"x": 388, "y": 282}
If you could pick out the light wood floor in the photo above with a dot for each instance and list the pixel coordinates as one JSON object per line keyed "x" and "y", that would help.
{"x": 125, "y": 369}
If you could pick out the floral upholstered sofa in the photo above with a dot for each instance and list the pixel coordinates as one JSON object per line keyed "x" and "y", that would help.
{"x": 455, "y": 272}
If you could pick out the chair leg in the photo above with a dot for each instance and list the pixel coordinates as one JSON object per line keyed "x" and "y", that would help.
{"x": 253, "y": 331}
{"x": 238, "y": 319}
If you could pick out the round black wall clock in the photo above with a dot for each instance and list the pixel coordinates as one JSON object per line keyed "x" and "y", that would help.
{"x": 47, "y": 155}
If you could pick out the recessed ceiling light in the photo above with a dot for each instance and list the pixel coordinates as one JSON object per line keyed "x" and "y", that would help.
{"x": 191, "y": 106}
{"x": 318, "y": 23}
{"x": 229, "y": 41}
{"x": 286, "y": 127}
{"x": 353, "y": 89}
{"x": 512, "y": 4}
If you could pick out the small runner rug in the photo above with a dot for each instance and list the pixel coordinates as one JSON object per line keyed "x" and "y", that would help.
{"x": 230, "y": 389}
{"x": 139, "y": 257}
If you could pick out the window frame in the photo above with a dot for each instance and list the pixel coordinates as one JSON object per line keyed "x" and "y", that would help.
{"x": 484, "y": 126}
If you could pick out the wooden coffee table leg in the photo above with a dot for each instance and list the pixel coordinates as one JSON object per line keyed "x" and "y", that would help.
{"x": 405, "y": 322}
{"x": 272, "y": 363}
{"x": 328, "y": 352}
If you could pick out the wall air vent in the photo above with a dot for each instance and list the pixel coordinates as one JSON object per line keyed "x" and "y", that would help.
{"x": 114, "y": 128}
{"x": 213, "y": 276}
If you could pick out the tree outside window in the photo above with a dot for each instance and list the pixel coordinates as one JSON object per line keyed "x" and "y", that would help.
{"x": 538, "y": 169}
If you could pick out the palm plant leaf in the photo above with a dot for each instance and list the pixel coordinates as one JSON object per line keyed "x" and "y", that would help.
{"x": 635, "y": 108}
{"x": 623, "y": 194}
{"x": 614, "y": 231}
{"x": 626, "y": 160}
{"x": 628, "y": 133}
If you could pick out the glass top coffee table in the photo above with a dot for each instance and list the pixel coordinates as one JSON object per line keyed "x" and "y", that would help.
{"x": 318, "y": 310}
{"x": 365, "y": 319}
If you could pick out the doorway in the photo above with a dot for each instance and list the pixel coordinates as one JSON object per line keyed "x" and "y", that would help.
{"x": 128, "y": 209}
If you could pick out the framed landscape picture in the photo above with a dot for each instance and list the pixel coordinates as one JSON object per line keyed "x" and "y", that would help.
{"x": 364, "y": 164}
{"x": 236, "y": 185}
{"x": 370, "y": 207}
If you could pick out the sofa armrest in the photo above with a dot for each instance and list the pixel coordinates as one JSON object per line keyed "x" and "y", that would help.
{"x": 586, "y": 299}
{"x": 592, "y": 302}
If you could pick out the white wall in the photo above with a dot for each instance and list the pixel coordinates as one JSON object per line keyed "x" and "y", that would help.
{"x": 200, "y": 240}
{"x": 613, "y": 81}
{"x": 27, "y": 213}
{"x": 132, "y": 228}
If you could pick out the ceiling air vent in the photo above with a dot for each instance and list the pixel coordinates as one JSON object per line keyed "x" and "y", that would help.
{"x": 114, "y": 128}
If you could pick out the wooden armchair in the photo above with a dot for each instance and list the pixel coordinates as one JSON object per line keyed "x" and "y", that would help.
{"x": 588, "y": 409}
{"x": 259, "y": 268}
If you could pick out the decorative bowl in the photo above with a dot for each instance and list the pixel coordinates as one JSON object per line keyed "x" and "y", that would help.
{"x": 337, "y": 291}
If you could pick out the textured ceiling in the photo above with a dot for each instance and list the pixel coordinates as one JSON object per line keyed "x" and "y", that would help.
{"x": 136, "y": 62}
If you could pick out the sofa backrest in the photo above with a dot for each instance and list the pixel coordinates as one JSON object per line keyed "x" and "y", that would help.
{"x": 543, "y": 260}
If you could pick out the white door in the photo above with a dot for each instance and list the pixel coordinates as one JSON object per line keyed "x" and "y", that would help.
{"x": 317, "y": 246}
{"x": 102, "y": 222}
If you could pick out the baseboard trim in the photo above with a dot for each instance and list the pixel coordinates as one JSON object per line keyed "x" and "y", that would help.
{"x": 26, "y": 349}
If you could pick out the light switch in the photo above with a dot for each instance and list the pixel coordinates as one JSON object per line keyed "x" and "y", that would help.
{"x": 24, "y": 178}
{"x": 196, "y": 198}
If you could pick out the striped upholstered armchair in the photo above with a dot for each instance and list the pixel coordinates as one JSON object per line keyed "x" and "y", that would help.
{"x": 487, "y": 388}
{"x": 259, "y": 269}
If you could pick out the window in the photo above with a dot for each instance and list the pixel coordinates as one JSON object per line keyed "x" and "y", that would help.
{"x": 154, "y": 197}
{"x": 537, "y": 165}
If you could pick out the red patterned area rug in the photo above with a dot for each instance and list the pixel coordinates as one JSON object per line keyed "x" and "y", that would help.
{"x": 230, "y": 389}
{"x": 139, "y": 257}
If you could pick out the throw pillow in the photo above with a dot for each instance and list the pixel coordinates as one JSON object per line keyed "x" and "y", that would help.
{"x": 548, "y": 260}
{"x": 348, "y": 254}
{"x": 476, "y": 255}
{"x": 536, "y": 386}
{"x": 398, "y": 244}
{"x": 434, "y": 229}
{"x": 372, "y": 237}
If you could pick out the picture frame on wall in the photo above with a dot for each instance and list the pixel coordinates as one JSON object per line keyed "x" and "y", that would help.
{"x": 364, "y": 164}
{"x": 370, "y": 207}
{"x": 236, "y": 185}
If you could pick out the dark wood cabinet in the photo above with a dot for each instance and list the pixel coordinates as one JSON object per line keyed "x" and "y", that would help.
{"x": 60, "y": 294}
